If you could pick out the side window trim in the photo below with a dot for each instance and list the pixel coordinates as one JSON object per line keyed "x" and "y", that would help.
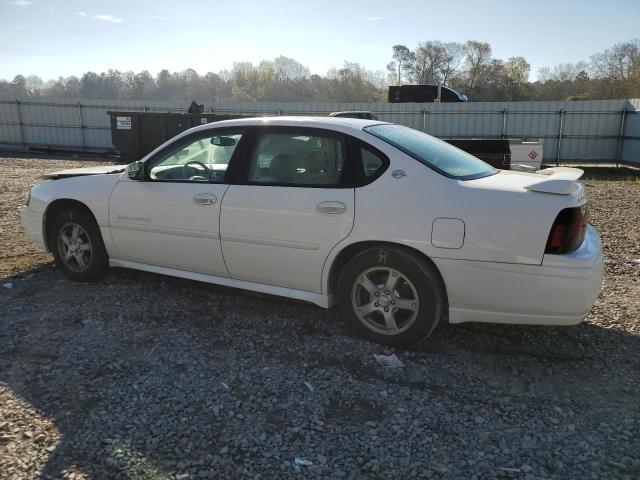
{"x": 189, "y": 139}
{"x": 242, "y": 171}
{"x": 357, "y": 163}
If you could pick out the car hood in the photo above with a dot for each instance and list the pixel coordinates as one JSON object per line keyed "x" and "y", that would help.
{"x": 79, "y": 172}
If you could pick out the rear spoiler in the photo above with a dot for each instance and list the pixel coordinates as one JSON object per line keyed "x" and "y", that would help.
{"x": 562, "y": 181}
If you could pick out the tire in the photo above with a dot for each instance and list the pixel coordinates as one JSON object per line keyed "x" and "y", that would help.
{"x": 415, "y": 298}
{"x": 83, "y": 257}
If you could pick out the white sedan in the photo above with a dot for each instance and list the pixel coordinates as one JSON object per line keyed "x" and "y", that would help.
{"x": 402, "y": 231}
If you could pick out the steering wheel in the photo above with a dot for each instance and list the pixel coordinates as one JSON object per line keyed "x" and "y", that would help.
{"x": 206, "y": 169}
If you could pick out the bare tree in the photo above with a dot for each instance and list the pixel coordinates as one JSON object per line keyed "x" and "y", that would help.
{"x": 403, "y": 64}
{"x": 18, "y": 86}
{"x": 566, "y": 72}
{"x": 437, "y": 62}
{"x": 544, "y": 74}
{"x": 34, "y": 85}
{"x": 353, "y": 83}
{"x": 478, "y": 60}
{"x": 429, "y": 60}
{"x": 140, "y": 85}
{"x": 290, "y": 69}
{"x": 452, "y": 60}
{"x": 516, "y": 71}
{"x": 620, "y": 62}
{"x": 246, "y": 82}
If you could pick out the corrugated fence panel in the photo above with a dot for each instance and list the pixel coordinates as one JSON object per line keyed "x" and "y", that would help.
{"x": 631, "y": 149}
{"x": 590, "y": 129}
{"x": 9, "y": 130}
{"x": 50, "y": 125}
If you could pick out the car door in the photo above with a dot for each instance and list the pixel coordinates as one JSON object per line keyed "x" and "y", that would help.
{"x": 293, "y": 203}
{"x": 171, "y": 218}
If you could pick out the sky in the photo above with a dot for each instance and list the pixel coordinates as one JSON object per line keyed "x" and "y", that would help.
{"x": 52, "y": 38}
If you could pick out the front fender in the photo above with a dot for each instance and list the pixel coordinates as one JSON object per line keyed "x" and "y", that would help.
{"x": 92, "y": 191}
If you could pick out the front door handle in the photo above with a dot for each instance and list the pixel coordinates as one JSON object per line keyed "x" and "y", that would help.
{"x": 331, "y": 208}
{"x": 205, "y": 199}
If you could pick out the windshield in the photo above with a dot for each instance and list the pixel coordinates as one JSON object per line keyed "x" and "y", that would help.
{"x": 434, "y": 153}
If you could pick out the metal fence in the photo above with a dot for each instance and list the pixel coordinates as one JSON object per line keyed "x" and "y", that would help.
{"x": 586, "y": 131}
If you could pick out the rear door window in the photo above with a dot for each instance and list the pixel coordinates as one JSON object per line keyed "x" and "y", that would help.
{"x": 299, "y": 157}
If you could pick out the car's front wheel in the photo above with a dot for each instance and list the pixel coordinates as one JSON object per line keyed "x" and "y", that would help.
{"x": 76, "y": 243}
{"x": 391, "y": 296}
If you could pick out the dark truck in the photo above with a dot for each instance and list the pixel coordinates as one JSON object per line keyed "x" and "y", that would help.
{"x": 424, "y": 94}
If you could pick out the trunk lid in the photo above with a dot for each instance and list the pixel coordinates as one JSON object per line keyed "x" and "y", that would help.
{"x": 555, "y": 181}
{"x": 558, "y": 181}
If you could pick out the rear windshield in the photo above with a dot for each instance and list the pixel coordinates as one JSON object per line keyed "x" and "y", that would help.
{"x": 434, "y": 153}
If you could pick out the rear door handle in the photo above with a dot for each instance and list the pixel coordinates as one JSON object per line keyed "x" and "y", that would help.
{"x": 205, "y": 199}
{"x": 331, "y": 208}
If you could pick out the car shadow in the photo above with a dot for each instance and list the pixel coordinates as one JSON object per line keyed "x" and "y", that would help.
{"x": 145, "y": 376}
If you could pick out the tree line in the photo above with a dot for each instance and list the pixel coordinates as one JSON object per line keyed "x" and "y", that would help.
{"x": 469, "y": 68}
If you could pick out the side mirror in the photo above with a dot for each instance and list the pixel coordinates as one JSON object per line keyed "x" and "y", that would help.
{"x": 223, "y": 141}
{"x": 135, "y": 170}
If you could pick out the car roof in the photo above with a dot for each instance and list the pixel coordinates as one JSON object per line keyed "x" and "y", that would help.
{"x": 338, "y": 123}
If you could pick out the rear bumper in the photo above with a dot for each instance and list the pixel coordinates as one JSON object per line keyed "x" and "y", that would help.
{"x": 561, "y": 291}
{"x": 32, "y": 225}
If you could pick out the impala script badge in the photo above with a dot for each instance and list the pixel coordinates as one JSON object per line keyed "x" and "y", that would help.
{"x": 127, "y": 218}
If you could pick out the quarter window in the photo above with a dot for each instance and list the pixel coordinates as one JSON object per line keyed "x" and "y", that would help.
{"x": 371, "y": 163}
{"x": 203, "y": 160}
{"x": 298, "y": 158}
{"x": 368, "y": 162}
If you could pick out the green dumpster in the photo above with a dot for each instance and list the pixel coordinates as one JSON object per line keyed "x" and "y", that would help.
{"x": 135, "y": 134}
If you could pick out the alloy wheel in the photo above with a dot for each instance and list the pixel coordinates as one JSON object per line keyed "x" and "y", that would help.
{"x": 385, "y": 300}
{"x": 74, "y": 246}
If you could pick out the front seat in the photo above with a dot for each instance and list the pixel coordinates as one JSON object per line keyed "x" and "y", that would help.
{"x": 316, "y": 165}
{"x": 282, "y": 169}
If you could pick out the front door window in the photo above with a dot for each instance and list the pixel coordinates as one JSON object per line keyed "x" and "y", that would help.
{"x": 202, "y": 160}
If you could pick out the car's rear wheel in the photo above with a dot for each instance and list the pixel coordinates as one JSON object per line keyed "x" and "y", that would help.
{"x": 391, "y": 296}
{"x": 76, "y": 243}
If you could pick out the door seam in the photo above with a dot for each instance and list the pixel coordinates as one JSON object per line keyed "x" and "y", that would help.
{"x": 220, "y": 230}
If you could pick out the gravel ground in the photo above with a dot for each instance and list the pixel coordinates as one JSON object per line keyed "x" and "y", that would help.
{"x": 148, "y": 377}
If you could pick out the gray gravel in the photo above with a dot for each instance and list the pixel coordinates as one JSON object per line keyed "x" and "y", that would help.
{"x": 149, "y": 377}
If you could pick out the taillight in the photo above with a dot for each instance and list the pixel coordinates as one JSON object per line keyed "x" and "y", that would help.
{"x": 568, "y": 230}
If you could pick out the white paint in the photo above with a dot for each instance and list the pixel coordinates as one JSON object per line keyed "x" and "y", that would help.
{"x": 447, "y": 233}
{"x": 559, "y": 292}
{"x": 160, "y": 224}
{"x": 32, "y": 226}
{"x": 276, "y": 235}
{"x": 320, "y": 300}
{"x": 275, "y": 240}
